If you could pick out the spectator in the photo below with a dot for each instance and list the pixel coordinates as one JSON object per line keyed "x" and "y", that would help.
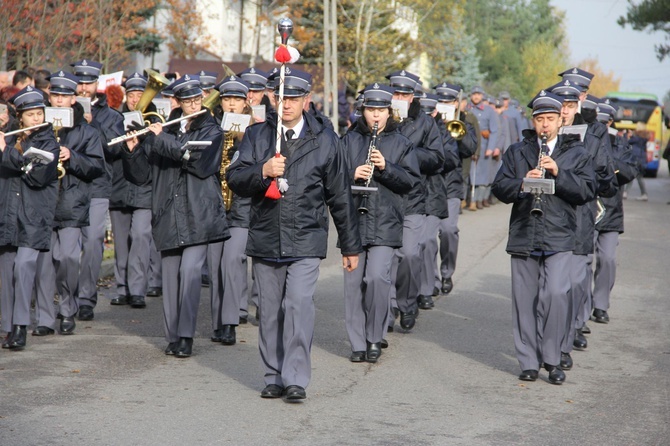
{"x": 22, "y": 79}
{"x": 639, "y": 143}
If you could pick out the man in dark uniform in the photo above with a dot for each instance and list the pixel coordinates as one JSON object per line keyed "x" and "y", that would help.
{"x": 109, "y": 124}
{"x": 130, "y": 213}
{"x": 448, "y": 229}
{"x": 541, "y": 243}
{"x": 427, "y": 140}
{"x": 83, "y": 160}
{"x": 288, "y": 236}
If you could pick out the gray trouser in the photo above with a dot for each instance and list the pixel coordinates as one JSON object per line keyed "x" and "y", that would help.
{"x": 66, "y": 252}
{"x": 214, "y": 253}
{"x": 45, "y": 289}
{"x": 448, "y": 234}
{"x": 181, "y": 290}
{"x": 605, "y": 275}
{"x": 586, "y": 302}
{"x": 92, "y": 247}
{"x": 234, "y": 273}
{"x": 540, "y": 305}
{"x": 286, "y": 327}
{"x": 155, "y": 275}
{"x": 25, "y": 268}
{"x": 580, "y": 268}
{"x": 366, "y": 296}
{"x": 432, "y": 223}
{"x": 253, "y": 297}
{"x": 132, "y": 245}
{"x": 7, "y": 259}
{"x": 407, "y": 264}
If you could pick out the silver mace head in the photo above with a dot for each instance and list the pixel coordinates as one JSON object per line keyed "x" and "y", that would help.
{"x": 285, "y": 28}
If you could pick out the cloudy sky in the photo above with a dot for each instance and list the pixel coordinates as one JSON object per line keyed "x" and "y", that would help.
{"x": 593, "y": 32}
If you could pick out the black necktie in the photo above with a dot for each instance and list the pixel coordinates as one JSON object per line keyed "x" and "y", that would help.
{"x": 289, "y": 134}
{"x": 286, "y": 142}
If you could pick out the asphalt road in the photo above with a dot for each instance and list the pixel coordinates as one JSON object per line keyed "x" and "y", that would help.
{"x": 451, "y": 381}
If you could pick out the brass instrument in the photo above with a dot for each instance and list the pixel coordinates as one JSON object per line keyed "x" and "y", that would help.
{"x": 155, "y": 84}
{"x": 228, "y": 142}
{"x": 362, "y": 209}
{"x": 132, "y": 135}
{"x": 537, "y": 204}
{"x": 456, "y": 127}
{"x": 212, "y": 100}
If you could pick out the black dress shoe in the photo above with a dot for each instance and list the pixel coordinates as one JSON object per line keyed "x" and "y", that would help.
{"x": 137, "y": 302}
{"x": 407, "y": 320}
{"x": 295, "y": 393}
{"x": 184, "y": 348}
{"x": 216, "y": 336}
{"x": 580, "y": 342}
{"x": 19, "y": 333}
{"x": 85, "y": 313}
{"x": 43, "y": 331}
{"x": 67, "y": 325}
{"x": 228, "y": 335}
{"x": 374, "y": 352}
{"x": 244, "y": 320}
{"x": 566, "y": 361}
{"x": 120, "y": 300}
{"x": 556, "y": 375}
{"x": 586, "y": 329}
{"x": 171, "y": 349}
{"x": 600, "y": 316}
{"x": 390, "y": 329}
{"x": 357, "y": 356}
{"x": 272, "y": 391}
{"x": 426, "y": 302}
{"x": 447, "y": 286}
{"x": 7, "y": 340}
{"x": 154, "y": 291}
{"x": 436, "y": 291}
{"x": 384, "y": 343}
{"x": 528, "y": 375}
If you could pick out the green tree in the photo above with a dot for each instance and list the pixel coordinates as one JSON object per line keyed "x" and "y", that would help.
{"x": 650, "y": 15}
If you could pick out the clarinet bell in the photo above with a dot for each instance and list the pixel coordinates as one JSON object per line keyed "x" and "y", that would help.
{"x": 363, "y": 209}
{"x": 537, "y": 208}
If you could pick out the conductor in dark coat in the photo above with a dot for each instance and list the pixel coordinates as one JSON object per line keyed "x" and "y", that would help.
{"x": 288, "y": 236}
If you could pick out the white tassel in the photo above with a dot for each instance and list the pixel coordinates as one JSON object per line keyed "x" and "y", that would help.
{"x": 282, "y": 185}
{"x": 295, "y": 55}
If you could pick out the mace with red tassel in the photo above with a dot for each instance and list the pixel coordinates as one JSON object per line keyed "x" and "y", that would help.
{"x": 283, "y": 55}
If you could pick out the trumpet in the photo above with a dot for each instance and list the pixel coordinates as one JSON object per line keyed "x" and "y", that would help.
{"x": 129, "y": 136}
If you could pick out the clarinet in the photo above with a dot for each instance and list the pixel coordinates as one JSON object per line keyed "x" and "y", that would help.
{"x": 362, "y": 209}
{"x": 537, "y": 204}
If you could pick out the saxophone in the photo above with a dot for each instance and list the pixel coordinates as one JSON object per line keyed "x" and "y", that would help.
{"x": 228, "y": 142}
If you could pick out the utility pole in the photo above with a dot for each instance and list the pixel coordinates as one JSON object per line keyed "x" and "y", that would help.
{"x": 330, "y": 77}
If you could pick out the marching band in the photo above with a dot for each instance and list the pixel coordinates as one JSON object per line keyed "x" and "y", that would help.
{"x": 249, "y": 168}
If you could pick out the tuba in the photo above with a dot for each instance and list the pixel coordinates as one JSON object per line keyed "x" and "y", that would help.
{"x": 155, "y": 84}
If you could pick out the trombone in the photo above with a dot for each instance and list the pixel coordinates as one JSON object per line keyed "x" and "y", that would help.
{"x": 456, "y": 127}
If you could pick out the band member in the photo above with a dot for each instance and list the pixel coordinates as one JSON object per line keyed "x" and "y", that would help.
{"x": 541, "y": 242}
{"x": 611, "y": 224}
{"x": 130, "y": 213}
{"x": 427, "y": 142}
{"x": 382, "y": 159}
{"x": 28, "y": 212}
{"x": 288, "y": 236}
{"x": 482, "y": 168}
{"x": 82, "y": 157}
{"x": 596, "y": 141}
{"x": 109, "y": 123}
{"x": 186, "y": 204}
{"x": 232, "y": 288}
{"x": 257, "y": 80}
{"x": 207, "y": 81}
{"x": 437, "y": 205}
{"x": 448, "y": 229}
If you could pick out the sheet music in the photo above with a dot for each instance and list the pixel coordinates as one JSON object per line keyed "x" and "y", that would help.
{"x": 448, "y": 112}
{"x": 400, "y": 107}
{"x": 235, "y": 122}
{"x": 129, "y": 117}
{"x": 39, "y": 155}
{"x": 574, "y": 130}
{"x": 59, "y": 117}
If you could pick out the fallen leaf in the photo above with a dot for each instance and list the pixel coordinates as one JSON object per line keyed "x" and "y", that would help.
{"x": 76, "y": 371}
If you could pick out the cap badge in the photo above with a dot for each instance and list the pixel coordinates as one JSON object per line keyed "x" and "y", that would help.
{"x": 402, "y": 73}
{"x": 61, "y": 74}
{"x": 136, "y": 75}
{"x": 202, "y": 73}
{"x": 232, "y": 78}
{"x": 376, "y": 86}
{"x": 29, "y": 88}
{"x": 84, "y": 63}
{"x": 597, "y": 109}
{"x": 252, "y": 70}
{"x": 575, "y": 71}
{"x": 287, "y": 70}
{"x": 542, "y": 93}
{"x": 187, "y": 77}
{"x": 567, "y": 83}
